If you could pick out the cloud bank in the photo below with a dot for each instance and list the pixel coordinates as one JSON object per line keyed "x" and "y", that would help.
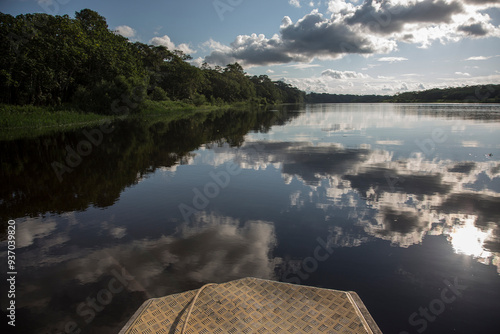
{"x": 334, "y": 74}
{"x": 372, "y": 27}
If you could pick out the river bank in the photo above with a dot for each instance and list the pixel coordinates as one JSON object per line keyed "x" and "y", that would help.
{"x": 31, "y": 121}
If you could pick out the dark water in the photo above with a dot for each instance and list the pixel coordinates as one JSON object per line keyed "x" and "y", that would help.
{"x": 400, "y": 203}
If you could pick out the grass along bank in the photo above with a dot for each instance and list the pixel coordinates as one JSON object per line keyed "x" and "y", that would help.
{"x": 31, "y": 121}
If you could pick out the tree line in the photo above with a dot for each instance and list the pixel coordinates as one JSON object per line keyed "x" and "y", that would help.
{"x": 470, "y": 94}
{"x": 58, "y": 60}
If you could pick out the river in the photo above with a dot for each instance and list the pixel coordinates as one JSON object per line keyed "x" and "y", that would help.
{"x": 398, "y": 202}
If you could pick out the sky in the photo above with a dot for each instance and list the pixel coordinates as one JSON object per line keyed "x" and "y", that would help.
{"x": 328, "y": 46}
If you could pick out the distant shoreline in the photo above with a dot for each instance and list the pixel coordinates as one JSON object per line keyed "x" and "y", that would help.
{"x": 467, "y": 94}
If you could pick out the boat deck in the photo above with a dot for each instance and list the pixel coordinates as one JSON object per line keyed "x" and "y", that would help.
{"x": 252, "y": 305}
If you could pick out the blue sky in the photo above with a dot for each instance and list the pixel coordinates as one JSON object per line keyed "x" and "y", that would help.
{"x": 334, "y": 46}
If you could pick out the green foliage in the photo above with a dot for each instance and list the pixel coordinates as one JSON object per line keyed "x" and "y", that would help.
{"x": 344, "y": 98}
{"x": 29, "y": 120}
{"x": 158, "y": 94}
{"x": 49, "y": 59}
{"x": 467, "y": 94}
{"x": 57, "y": 60}
{"x": 120, "y": 96}
{"x": 199, "y": 99}
{"x": 472, "y": 94}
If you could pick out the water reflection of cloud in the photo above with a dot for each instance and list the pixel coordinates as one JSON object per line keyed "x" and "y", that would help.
{"x": 301, "y": 159}
{"x": 390, "y": 142}
{"x": 117, "y": 232}
{"x": 32, "y": 229}
{"x": 462, "y": 167}
{"x": 417, "y": 192}
{"x": 470, "y": 143}
{"x": 409, "y": 197}
{"x": 212, "y": 248}
{"x": 383, "y": 180}
{"x": 225, "y": 250}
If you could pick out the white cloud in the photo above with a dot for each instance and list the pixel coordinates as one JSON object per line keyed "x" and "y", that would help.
{"x": 294, "y": 3}
{"x": 351, "y": 82}
{"x": 462, "y": 73}
{"x": 317, "y": 85}
{"x": 197, "y": 61}
{"x": 412, "y": 75}
{"x": 340, "y": 6}
{"x": 45, "y": 2}
{"x": 214, "y": 45}
{"x": 167, "y": 42}
{"x": 470, "y": 143}
{"x": 334, "y": 74}
{"x": 390, "y": 142}
{"x": 304, "y": 66}
{"x": 125, "y": 31}
{"x": 482, "y": 57}
{"x": 392, "y": 59}
{"x": 478, "y": 58}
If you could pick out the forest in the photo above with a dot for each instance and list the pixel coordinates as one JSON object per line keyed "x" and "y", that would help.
{"x": 80, "y": 63}
{"x": 467, "y": 94}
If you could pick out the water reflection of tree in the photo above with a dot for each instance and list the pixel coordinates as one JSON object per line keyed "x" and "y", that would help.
{"x": 133, "y": 149}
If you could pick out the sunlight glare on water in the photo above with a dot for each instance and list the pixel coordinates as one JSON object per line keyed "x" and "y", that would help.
{"x": 467, "y": 239}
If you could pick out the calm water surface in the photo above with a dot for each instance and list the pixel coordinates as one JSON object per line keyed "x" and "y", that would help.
{"x": 400, "y": 203}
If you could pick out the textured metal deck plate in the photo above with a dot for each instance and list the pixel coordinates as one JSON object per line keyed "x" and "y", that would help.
{"x": 253, "y": 305}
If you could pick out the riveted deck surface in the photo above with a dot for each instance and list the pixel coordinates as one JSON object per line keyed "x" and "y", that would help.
{"x": 253, "y": 305}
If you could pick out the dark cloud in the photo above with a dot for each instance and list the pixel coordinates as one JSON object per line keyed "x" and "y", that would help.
{"x": 310, "y": 37}
{"x": 495, "y": 170}
{"x": 476, "y": 29}
{"x": 462, "y": 167}
{"x": 314, "y": 35}
{"x": 484, "y": 206}
{"x": 312, "y": 162}
{"x": 363, "y": 29}
{"x": 253, "y": 54}
{"x": 391, "y": 18}
{"x": 400, "y": 222}
{"x": 388, "y": 180}
{"x": 481, "y": 2}
{"x": 492, "y": 243}
{"x": 304, "y": 160}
